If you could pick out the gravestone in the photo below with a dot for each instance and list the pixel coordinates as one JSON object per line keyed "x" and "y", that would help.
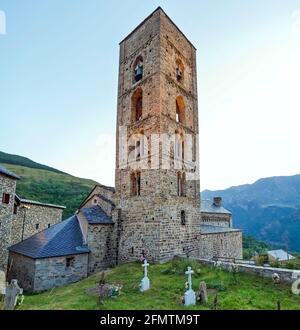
{"x": 145, "y": 282}
{"x": 12, "y": 293}
{"x": 203, "y": 293}
{"x": 2, "y": 283}
{"x": 189, "y": 296}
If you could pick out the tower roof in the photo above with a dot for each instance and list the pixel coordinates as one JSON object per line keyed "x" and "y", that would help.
{"x": 148, "y": 17}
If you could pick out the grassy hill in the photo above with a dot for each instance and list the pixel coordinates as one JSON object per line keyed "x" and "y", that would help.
{"x": 51, "y": 187}
{"x": 23, "y": 161}
{"x": 268, "y": 209}
{"x": 235, "y": 292}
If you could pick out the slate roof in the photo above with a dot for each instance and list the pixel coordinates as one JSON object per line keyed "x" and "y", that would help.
{"x": 95, "y": 215}
{"x": 8, "y": 173}
{"x": 280, "y": 255}
{"x": 208, "y": 229}
{"x": 28, "y": 201}
{"x": 64, "y": 238}
{"x": 207, "y": 206}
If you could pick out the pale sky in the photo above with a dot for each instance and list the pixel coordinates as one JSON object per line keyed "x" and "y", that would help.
{"x": 59, "y": 70}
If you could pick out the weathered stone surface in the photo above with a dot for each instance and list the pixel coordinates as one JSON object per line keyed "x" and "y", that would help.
{"x": 44, "y": 274}
{"x": 32, "y": 219}
{"x": 2, "y": 283}
{"x": 7, "y": 186}
{"x": 203, "y": 293}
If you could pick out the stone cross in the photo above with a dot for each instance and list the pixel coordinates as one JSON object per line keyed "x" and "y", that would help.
{"x": 189, "y": 272}
{"x": 145, "y": 265}
{"x": 2, "y": 283}
{"x": 189, "y": 296}
{"x": 12, "y": 293}
{"x": 145, "y": 282}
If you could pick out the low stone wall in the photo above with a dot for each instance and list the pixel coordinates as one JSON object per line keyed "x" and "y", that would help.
{"x": 53, "y": 272}
{"x": 228, "y": 244}
{"x": 23, "y": 269}
{"x": 286, "y": 275}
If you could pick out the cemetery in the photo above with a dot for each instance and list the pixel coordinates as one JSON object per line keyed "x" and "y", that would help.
{"x": 173, "y": 286}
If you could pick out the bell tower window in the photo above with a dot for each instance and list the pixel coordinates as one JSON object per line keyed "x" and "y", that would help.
{"x": 137, "y": 105}
{"x": 180, "y": 110}
{"x": 138, "y": 69}
{"x": 179, "y": 70}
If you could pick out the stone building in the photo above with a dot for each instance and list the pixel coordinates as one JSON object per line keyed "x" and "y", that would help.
{"x": 8, "y": 182}
{"x": 155, "y": 208}
{"x": 53, "y": 257}
{"x": 21, "y": 218}
{"x": 68, "y": 251}
{"x": 31, "y": 217}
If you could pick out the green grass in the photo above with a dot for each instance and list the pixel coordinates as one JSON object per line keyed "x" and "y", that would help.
{"x": 167, "y": 287}
{"x": 50, "y": 187}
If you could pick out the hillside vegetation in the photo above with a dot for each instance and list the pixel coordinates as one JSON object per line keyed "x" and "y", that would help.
{"x": 235, "y": 291}
{"x": 52, "y": 187}
{"x": 23, "y": 161}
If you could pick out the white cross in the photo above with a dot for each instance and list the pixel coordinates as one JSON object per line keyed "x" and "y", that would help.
{"x": 145, "y": 265}
{"x": 189, "y": 272}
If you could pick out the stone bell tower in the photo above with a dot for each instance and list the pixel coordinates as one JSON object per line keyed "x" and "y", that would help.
{"x": 157, "y": 180}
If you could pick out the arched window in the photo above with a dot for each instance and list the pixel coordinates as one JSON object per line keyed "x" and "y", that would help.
{"x": 135, "y": 181}
{"x": 182, "y": 217}
{"x": 179, "y": 146}
{"x": 180, "y": 110}
{"x": 137, "y": 105}
{"x": 138, "y": 69}
{"x": 179, "y": 70}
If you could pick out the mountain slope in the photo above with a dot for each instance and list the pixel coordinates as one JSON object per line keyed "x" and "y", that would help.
{"x": 53, "y": 187}
{"x": 268, "y": 209}
{"x": 23, "y": 161}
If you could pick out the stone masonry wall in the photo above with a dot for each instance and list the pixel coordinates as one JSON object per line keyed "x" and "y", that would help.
{"x": 23, "y": 269}
{"x": 215, "y": 219}
{"x": 101, "y": 240}
{"x": 226, "y": 245}
{"x": 7, "y": 185}
{"x": 286, "y": 275}
{"x": 43, "y": 216}
{"x": 53, "y": 272}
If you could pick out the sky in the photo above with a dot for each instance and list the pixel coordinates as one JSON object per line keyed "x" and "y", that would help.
{"x": 59, "y": 71}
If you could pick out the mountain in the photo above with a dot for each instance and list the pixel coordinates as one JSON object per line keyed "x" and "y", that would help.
{"x": 268, "y": 209}
{"x": 46, "y": 184}
{"x": 23, "y": 161}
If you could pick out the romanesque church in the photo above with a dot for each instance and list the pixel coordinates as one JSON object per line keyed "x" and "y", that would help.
{"x": 155, "y": 209}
